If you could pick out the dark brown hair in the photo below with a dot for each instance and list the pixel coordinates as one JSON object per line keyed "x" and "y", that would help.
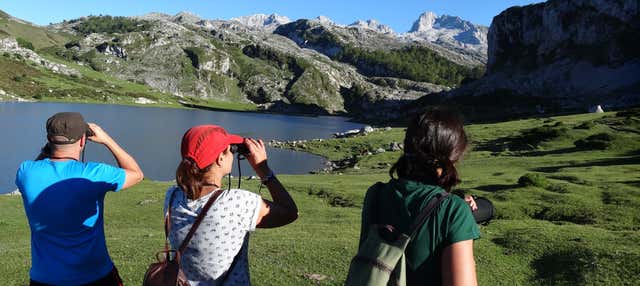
{"x": 434, "y": 139}
{"x": 190, "y": 178}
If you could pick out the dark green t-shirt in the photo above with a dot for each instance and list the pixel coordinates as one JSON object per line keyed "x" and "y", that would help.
{"x": 398, "y": 202}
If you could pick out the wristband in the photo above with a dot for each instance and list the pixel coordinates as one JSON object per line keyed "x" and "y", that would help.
{"x": 270, "y": 176}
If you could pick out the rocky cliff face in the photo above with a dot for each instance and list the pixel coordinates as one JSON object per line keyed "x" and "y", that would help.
{"x": 372, "y": 25}
{"x": 559, "y": 56}
{"x": 591, "y": 31}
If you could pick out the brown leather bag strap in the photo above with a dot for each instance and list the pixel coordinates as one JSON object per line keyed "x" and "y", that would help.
{"x": 199, "y": 219}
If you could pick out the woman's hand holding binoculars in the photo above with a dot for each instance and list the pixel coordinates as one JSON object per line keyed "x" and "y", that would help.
{"x": 257, "y": 156}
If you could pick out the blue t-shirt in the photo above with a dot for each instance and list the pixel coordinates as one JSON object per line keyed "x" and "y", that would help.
{"x": 63, "y": 202}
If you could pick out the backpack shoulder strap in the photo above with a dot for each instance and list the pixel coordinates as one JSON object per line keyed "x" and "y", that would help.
{"x": 198, "y": 220}
{"x": 375, "y": 202}
{"x": 426, "y": 212}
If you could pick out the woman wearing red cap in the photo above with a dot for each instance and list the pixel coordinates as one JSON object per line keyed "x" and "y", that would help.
{"x": 217, "y": 251}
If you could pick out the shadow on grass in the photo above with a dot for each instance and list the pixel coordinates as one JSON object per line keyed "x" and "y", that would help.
{"x": 333, "y": 199}
{"x": 597, "y": 163}
{"x": 633, "y": 153}
{"x": 632, "y": 183}
{"x": 564, "y": 267}
{"x": 571, "y": 179}
{"x": 552, "y": 152}
{"x": 497, "y": 188}
{"x": 526, "y": 140}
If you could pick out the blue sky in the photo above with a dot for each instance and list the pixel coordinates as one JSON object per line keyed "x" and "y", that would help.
{"x": 399, "y": 14}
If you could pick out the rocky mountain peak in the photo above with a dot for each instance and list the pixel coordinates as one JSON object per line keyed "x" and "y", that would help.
{"x": 451, "y": 32}
{"x": 372, "y": 25}
{"x": 324, "y": 20}
{"x": 262, "y": 20}
{"x": 452, "y": 22}
{"x": 424, "y": 23}
{"x": 186, "y": 18}
{"x": 154, "y": 16}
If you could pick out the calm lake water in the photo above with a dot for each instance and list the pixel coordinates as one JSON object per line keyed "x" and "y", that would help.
{"x": 152, "y": 135}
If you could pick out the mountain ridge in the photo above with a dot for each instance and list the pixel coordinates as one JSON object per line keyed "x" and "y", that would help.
{"x": 188, "y": 57}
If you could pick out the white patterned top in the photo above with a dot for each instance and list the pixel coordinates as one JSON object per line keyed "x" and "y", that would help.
{"x": 222, "y": 234}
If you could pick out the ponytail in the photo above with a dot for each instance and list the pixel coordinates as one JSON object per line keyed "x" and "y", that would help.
{"x": 190, "y": 178}
{"x": 449, "y": 176}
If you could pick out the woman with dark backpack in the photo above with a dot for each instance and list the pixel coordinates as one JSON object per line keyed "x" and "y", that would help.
{"x": 440, "y": 248}
{"x": 216, "y": 253}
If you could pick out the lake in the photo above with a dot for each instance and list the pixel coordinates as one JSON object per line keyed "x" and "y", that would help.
{"x": 152, "y": 135}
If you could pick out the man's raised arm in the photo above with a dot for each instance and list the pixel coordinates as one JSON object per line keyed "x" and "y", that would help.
{"x": 133, "y": 172}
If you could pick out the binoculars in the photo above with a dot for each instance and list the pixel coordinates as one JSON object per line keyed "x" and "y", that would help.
{"x": 485, "y": 211}
{"x": 241, "y": 149}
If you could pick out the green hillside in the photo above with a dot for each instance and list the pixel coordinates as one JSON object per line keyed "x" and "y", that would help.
{"x": 567, "y": 192}
{"x": 38, "y": 36}
{"x": 22, "y": 78}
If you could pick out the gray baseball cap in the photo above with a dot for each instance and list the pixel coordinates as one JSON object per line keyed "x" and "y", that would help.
{"x": 66, "y": 128}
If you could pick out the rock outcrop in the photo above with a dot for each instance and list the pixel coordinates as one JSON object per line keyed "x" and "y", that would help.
{"x": 11, "y": 46}
{"x": 263, "y": 21}
{"x": 557, "y": 56}
{"x": 372, "y": 25}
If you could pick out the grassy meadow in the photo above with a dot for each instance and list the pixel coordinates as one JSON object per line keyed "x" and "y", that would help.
{"x": 566, "y": 189}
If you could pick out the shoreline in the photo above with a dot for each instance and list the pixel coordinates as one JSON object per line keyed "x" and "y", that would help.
{"x": 183, "y": 105}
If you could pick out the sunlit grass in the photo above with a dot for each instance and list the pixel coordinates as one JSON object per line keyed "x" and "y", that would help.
{"x": 581, "y": 228}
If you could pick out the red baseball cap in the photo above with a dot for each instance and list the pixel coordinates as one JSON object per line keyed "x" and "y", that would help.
{"x": 203, "y": 143}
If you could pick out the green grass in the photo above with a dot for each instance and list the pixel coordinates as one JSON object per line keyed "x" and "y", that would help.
{"x": 580, "y": 227}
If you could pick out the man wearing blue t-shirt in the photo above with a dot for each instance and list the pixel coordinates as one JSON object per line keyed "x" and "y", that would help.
{"x": 64, "y": 199}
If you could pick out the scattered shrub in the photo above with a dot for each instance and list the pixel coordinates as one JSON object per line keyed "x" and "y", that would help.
{"x": 531, "y": 179}
{"x": 600, "y": 141}
{"x": 18, "y": 78}
{"x": 543, "y": 133}
{"x": 72, "y": 44}
{"x": 25, "y": 44}
{"x": 109, "y": 24}
{"x": 196, "y": 55}
{"x": 585, "y": 125}
{"x": 531, "y": 138}
{"x": 579, "y": 214}
{"x": 414, "y": 63}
